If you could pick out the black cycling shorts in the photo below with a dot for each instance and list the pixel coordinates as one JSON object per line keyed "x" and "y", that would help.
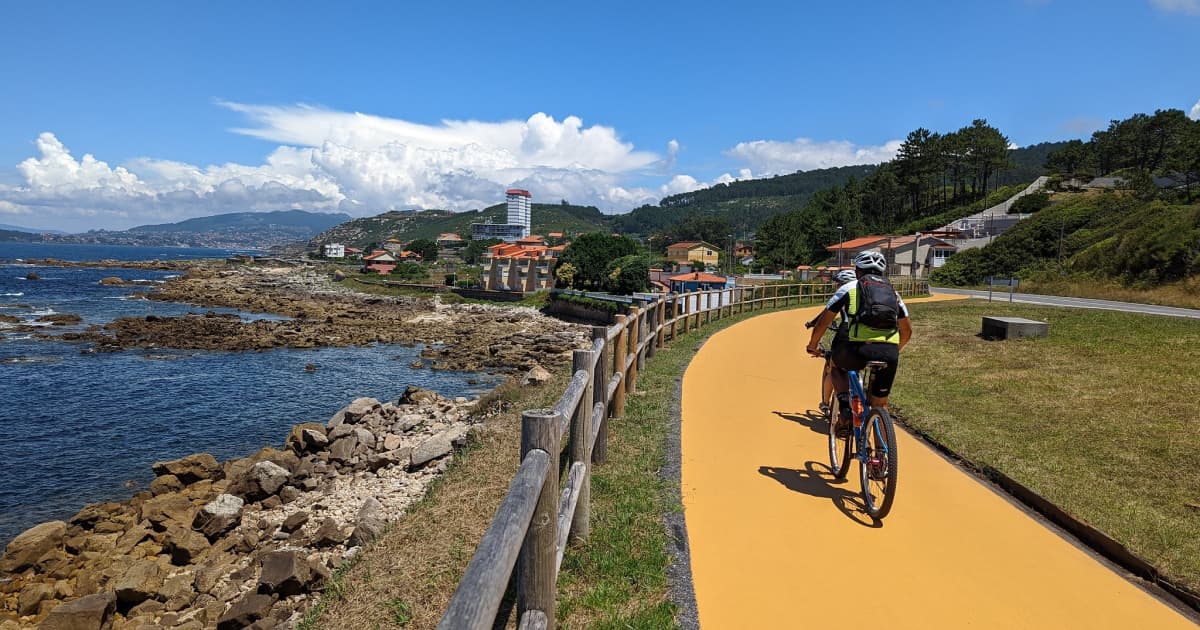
{"x": 854, "y": 355}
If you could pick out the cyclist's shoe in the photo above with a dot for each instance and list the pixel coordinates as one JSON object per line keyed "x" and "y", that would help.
{"x": 824, "y": 408}
{"x": 845, "y": 417}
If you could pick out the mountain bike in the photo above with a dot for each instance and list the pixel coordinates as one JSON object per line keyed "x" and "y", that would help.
{"x": 872, "y": 441}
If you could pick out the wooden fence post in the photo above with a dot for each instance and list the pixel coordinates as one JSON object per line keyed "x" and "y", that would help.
{"x": 581, "y": 442}
{"x": 622, "y": 346}
{"x": 604, "y": 368}
{"x": 635, "y": 335}
{"x": 536, "y": 577}
{"x": 675, "y": 319}
{"x": 643, "y": 334}
{"x": 662, "y": 325}
{"x": 651, "y": 333}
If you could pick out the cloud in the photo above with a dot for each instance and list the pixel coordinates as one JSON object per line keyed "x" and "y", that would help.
{"x": 344, "y": 161}
{"x": 769, "y": 157}
{"x": 1189, "y": 7}
{"x": 1195, "y": 113}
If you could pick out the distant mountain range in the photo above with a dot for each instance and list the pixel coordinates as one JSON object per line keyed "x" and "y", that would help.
{"x": 235, "y": 230}
{"x": 16, "y": 228}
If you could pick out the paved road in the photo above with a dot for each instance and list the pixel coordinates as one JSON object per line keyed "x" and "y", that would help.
{"x": 1001, "y": 295}
{"x": 776, "y": 542}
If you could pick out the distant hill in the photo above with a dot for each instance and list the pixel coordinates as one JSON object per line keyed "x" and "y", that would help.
{"x": 17, "y": 228}
{"x": 17, "y": 236}
{"x": 411, "y": 225}
{"x": 257, "y": 230}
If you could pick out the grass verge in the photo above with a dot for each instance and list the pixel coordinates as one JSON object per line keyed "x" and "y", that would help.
{"x": 1184, "y": 294}
{"x": 1096, "y": 417}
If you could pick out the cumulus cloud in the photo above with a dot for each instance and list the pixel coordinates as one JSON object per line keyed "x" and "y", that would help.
{"x": 358, "y": 163}
{"x": 1195, "y": 113}
{"x": 1189, "y": 7}
{"x": 770, "y": 157}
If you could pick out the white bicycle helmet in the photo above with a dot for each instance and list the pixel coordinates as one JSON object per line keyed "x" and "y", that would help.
{"x": 845, "y": 275}
{"x": 871, "y": 260}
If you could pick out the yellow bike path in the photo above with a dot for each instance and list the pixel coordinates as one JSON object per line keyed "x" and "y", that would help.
{"x": 777, "y": 543}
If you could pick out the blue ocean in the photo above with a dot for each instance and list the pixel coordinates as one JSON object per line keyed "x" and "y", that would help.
{"x": 80, "y": 428}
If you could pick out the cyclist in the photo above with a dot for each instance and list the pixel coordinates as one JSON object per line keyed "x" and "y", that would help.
{"x": 857, "y": 344}
{"x": 842, "y": 277}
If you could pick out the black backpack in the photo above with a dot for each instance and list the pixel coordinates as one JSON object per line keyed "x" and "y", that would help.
{"x": 878, "y": 306}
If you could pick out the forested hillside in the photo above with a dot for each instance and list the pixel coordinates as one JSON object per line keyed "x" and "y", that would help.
{"x": 1144, "y": 232}
{"x": 933, "y": 175}
{"x": 412, "y": 225}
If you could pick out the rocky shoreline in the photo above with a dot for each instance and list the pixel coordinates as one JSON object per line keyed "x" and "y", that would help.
{"x": 321, "y": 312}
{"x": 251, "y": 541}
{"x": 246, "y": 543}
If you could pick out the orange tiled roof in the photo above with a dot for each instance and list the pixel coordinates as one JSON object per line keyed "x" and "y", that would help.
{"x": 449, "y": 236}
{"x": 697, "y": 276}
{"x": 860, "y": 242}
{"x": 555, "y": 235}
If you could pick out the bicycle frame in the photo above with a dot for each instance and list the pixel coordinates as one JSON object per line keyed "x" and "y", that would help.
{"x": 858, "y": 390}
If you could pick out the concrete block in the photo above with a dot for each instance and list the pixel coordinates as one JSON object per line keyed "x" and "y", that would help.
{"x": 1013, "y": 328}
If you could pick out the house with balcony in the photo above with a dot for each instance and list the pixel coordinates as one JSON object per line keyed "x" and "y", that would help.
{"x": 379, "y": 261}
{"x": 911, "y": 255}
{"x": 520, "y": 266}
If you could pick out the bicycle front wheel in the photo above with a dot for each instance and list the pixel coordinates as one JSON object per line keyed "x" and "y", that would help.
{"x": 839, "y": 447}
{"x": 878, "y": 472}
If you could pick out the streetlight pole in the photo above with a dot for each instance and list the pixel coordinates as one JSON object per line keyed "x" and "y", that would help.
{"x": 840, "y": 248}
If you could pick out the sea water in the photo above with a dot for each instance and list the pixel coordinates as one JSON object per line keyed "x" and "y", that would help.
{"x": 78, "y": 428}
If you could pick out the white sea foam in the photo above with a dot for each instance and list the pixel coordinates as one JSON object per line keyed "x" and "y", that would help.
{"x": 18, "y": 294}
{"x": 174, "y": 275}
{"x": 43, "y": 313}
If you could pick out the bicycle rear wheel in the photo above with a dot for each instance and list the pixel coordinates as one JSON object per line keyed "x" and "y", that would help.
{"x": 878, "y": 472}
{"x": 839, "y": 447}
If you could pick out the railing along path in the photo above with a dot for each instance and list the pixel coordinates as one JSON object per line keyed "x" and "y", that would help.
{"x": 544, "y": 510}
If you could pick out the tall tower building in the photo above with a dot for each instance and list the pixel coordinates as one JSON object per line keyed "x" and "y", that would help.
{"x": 520, "y": 205}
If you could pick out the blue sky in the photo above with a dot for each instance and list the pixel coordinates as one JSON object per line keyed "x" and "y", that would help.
{"x": 194, "y": 109}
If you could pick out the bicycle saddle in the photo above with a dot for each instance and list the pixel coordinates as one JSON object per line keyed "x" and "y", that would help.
{"x": 874, "y": 365}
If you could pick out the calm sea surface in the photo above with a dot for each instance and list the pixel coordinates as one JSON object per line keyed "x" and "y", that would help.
{"x": 79, "y": 428}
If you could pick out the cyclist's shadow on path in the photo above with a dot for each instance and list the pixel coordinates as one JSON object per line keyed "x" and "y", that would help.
{"x": 817, "y": 480}
{"x": 814, "y": 420}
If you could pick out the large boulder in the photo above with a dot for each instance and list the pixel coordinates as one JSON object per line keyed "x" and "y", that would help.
{"x": 184, "y": 545}
{"x": 190, "y": 469}
{"x": 414, "y": 395}
{"x": 431, "y": 449}
{"x": 31, "y": 545}
{"x": 139, "y": 583}
{"x": 286, "y": 573}
{"x": 368, "y": 524}
{"x": 263, "y": 479}
{"x": 219, "y": 515}
{"x": 167, "y": 508}
{"x": 342, "y": 450}
{"x": 307, "y": 437}
{"x": 91, "y": 612}
{"x": 329, "y": 534}
{"x": 30, "y": 598}
{"x": 536, "y": 376}
{"x": 245, "y": 611}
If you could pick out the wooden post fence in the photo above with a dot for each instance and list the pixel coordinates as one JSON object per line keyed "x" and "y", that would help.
{"x": 546, "y": 510}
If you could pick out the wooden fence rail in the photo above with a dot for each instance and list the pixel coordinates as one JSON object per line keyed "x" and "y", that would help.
{"x": 536, "y": 519}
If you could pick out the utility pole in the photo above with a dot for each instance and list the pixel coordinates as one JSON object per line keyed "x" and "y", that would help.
{"x": 840, "y": 248}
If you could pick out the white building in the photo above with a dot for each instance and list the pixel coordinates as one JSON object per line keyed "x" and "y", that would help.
{"x": 520, "y": 208}
{"x": 335, "y": 250}
{"x": 520, "y": 215}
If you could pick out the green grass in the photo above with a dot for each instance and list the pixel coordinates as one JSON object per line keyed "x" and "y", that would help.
{"x": 619, "y": 579}
{"x": 1097, "y": 417}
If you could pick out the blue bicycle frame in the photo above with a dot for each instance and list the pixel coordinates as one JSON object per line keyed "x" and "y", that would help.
{"x": 860, "y": 442}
